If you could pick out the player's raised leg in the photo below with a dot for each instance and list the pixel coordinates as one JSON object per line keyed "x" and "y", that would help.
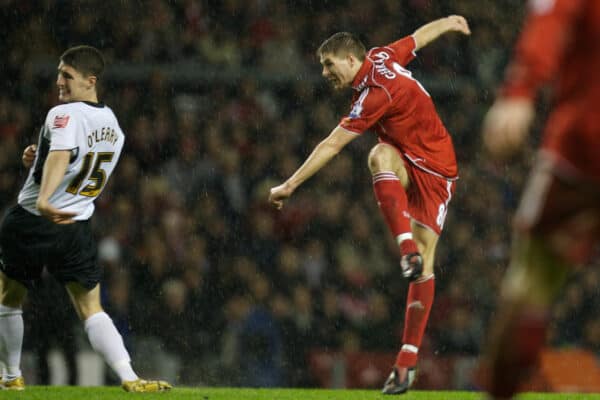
{"x": 390, "y": 179}
{"x": 106, "y": 340}
{"x": 12, "y": 294}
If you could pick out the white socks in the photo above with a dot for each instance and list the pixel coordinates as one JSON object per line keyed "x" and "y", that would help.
{"x": 101, "y": 331}
{"x": 11, "y": 340}
{"x": 107, "y": 342}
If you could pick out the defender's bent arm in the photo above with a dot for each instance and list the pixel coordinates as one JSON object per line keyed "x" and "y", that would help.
{"x": 54, "y": 171}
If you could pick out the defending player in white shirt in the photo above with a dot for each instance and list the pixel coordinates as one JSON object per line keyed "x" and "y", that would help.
{"x": 78, "y": 149}
{"x": 90, "y": 135}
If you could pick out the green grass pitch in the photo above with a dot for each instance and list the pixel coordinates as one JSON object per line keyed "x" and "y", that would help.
{"x": 115, "y": 393}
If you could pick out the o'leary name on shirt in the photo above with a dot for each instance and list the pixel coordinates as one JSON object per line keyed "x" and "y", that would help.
{"x": 105, "y": 134}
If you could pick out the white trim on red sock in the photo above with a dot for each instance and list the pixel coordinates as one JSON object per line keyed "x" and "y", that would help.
{"x": 410, "y": 348}
{"x": 404, "y": 236}
{"x": 385, "y": 176}
{"x": 424, "y": 278}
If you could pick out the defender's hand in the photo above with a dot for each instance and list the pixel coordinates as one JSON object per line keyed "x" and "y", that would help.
{"x": 506, "y": 125}
{"x": 29, "y": 155}
{"x": 54, "y": 214}
{"x": 279, "y": 194}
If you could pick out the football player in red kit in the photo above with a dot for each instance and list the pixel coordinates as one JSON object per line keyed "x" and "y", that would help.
{"x": 413, "y": 165}
{"x": 557, "y": 223}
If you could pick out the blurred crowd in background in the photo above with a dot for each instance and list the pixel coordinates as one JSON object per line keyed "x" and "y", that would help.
{"x": 199, "y": 270}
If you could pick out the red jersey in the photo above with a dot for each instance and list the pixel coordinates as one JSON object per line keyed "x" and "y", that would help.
{"x": 391, "y": 102}
{"x": 560, "y": 42}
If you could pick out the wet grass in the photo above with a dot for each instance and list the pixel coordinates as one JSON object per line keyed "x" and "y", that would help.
{"x": 203, "y": 393}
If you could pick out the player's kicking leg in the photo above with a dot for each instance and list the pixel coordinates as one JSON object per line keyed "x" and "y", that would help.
{"x": 417, "y": 250}
{"x": 106, "y": 340}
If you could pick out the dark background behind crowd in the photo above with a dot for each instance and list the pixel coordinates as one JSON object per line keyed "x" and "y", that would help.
{"x": 220, "y": 100}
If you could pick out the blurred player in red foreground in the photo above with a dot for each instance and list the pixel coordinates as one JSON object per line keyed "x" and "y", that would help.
{"x": 557, "y": 224}
{"x": 413, "y": 165}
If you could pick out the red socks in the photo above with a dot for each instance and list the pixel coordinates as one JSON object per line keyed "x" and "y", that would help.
{"x": 418, "y": 306}
{"x": 393, "y": 204}
{"x": 519, "y": 339}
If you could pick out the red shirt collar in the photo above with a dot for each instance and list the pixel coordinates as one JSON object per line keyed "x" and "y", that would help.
{"x": 362, "y": 72}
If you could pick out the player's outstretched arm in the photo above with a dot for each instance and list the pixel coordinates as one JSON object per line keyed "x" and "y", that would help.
{"x": 321, "y": 155}
{"x": 433, "y": 30}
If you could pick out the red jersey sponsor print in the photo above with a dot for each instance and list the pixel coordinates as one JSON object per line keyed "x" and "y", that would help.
{"x": 60, "y": 121}
{"x": 560, "y": 43}
{"x": 389, "y": 101}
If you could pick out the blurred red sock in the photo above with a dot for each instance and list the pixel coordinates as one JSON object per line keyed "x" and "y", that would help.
{"x": 516, "y": 352}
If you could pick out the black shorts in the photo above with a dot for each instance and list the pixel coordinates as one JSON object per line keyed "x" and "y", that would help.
{"x": 29, "y": 243}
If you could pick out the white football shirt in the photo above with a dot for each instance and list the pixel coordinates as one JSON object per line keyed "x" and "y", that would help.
{"x": 93, "y": 135}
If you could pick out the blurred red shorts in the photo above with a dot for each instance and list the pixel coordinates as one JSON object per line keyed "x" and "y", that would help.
{"x": 563, "y": 207}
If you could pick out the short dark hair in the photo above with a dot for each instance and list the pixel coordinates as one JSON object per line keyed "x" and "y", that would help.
{"x": 342, "y": 43}
{"x": 85, "y": 59}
